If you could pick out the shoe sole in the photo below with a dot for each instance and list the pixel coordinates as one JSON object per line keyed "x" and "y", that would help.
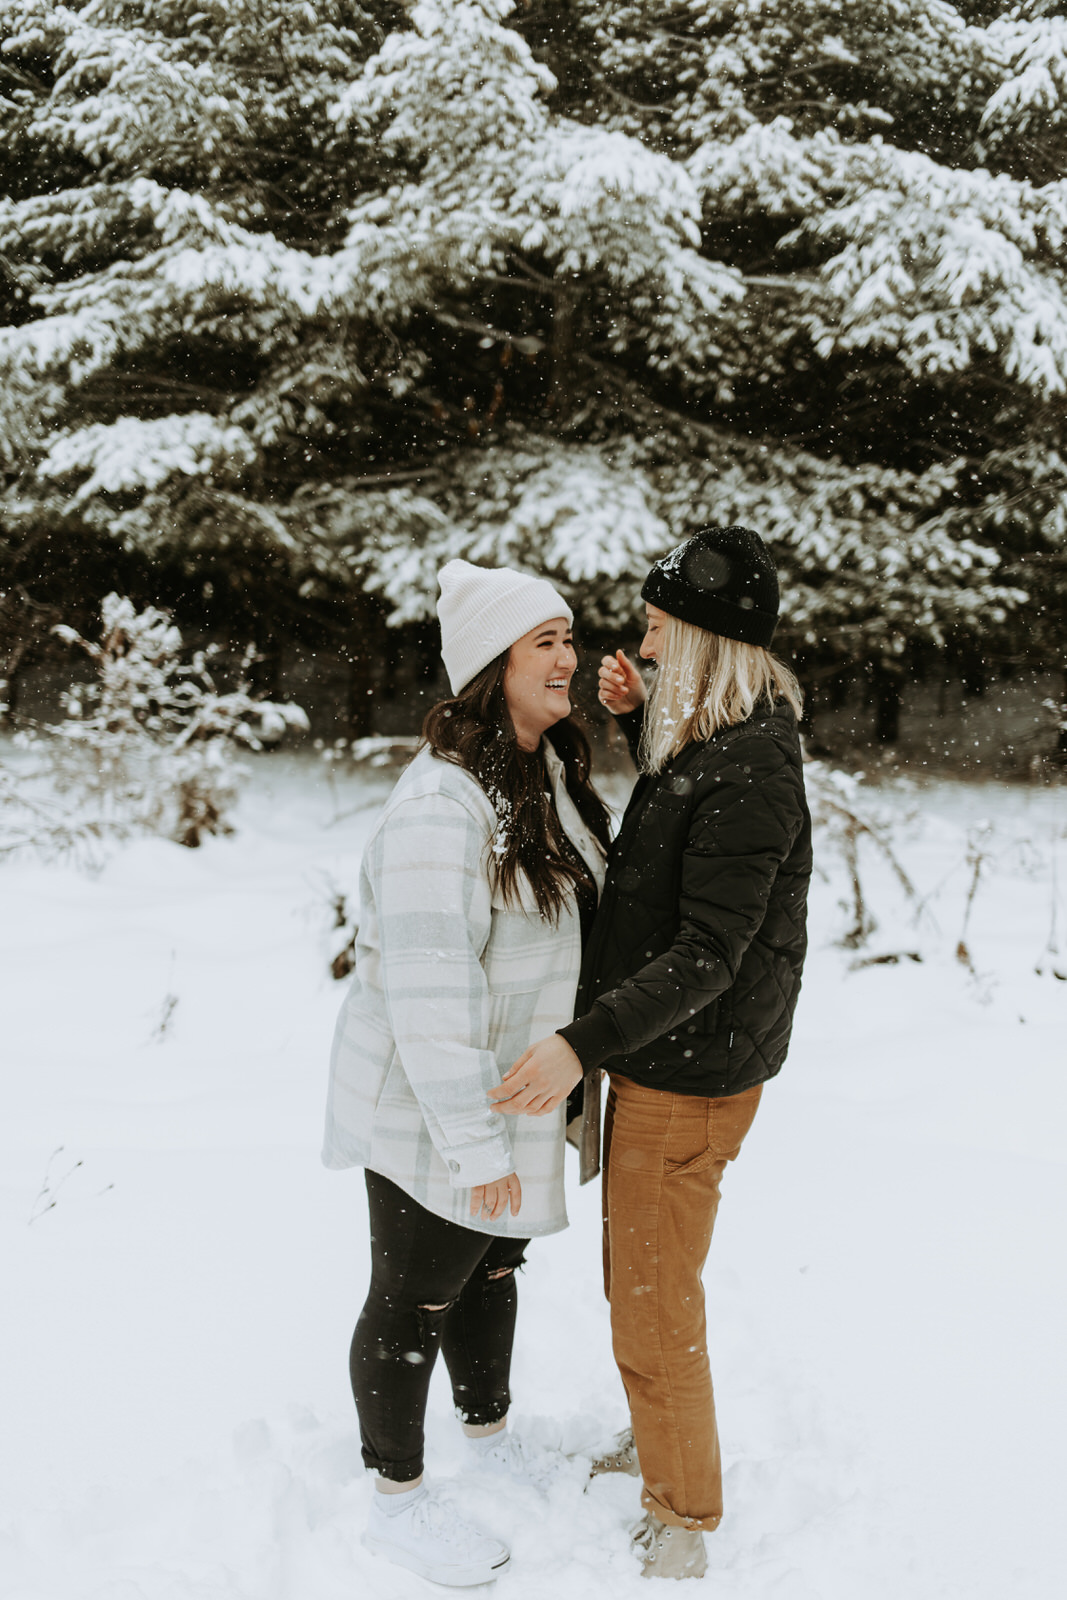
{"x": 451, "y": 1577}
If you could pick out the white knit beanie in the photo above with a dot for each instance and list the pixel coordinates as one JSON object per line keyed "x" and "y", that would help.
{"x": 483, "y": 610}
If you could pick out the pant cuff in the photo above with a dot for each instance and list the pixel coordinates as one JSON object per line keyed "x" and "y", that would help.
{"x": 395, "y": 1471}
{"x": 673, "y": 1519}
{"x": 482, "y": 1416}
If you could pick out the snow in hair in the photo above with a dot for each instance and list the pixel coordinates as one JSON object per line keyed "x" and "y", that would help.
{"x": 705, "y": 682}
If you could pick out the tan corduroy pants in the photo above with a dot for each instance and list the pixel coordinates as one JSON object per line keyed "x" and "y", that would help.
{"x": 664, "y": 1155}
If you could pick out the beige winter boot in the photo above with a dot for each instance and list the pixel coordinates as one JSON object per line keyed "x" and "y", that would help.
{"x": 622, "y": 1457}
{"x": 666, "y": 1552}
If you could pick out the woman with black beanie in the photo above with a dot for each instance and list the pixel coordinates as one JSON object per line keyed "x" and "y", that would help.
{"x": 688, "y": 986}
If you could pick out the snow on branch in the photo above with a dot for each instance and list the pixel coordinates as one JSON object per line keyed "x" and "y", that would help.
{"x": 461, "y": 100}
{"x": 130, "y": 454}
{"x": 1034, "y": 56}
{"x": 941, "y": 266}
{"x": 140, "y": 214}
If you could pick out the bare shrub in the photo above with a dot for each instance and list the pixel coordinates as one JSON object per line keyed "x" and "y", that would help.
{"x": 149, "y": 745}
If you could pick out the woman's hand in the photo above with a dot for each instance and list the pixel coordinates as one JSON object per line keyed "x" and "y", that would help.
{"x": 491, "y": 1200}
{"x": 540, "y": 1080}
{"x": 619, "y": 685}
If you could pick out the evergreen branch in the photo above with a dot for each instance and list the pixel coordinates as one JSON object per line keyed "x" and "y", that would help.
{"x": 533, "y": 278}
{"x": 613, "y": 92}
{"x": 795, "y": 283}
{"x": 527, "y": 344}
{"x": 1053, "y": 486}
{"x": 22, "y": 77}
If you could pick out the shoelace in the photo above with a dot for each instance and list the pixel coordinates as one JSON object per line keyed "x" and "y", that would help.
{"x": 644, "y": 1537}
{"x": 642, "y": 1534}
{"x": 511, "y": 1455}
{"x": 440, "y": 1522}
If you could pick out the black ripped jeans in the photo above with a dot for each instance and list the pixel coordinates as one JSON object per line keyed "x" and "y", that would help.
{"x": 418, "y": 1261}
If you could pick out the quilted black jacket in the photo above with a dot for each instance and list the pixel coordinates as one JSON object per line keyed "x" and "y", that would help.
{"x": 691, "y": 972}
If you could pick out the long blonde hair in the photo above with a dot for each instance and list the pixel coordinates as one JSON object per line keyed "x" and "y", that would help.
{"x": 705, "y": 682}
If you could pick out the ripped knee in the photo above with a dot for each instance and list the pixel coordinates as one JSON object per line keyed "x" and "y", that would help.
{"x": 430, "y": 1321}
{"x": 500, "y": 1279}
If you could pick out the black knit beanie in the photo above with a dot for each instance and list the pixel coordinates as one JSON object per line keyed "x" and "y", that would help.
{"x": 722, "y": 580}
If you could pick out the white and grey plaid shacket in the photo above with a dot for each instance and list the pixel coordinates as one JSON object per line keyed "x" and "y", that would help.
{"x": 451, "y": 986}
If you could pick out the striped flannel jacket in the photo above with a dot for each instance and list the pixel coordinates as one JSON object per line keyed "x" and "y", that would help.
{"x": 450, "y": 987}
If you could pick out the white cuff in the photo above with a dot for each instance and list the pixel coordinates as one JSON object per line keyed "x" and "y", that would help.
{"x": 473, "y": 1164}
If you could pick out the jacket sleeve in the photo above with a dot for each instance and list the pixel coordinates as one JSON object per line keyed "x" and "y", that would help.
{"x": 740, "y": 832}
{"x": 631, "y": 725}
{"x": 434, "y": 916}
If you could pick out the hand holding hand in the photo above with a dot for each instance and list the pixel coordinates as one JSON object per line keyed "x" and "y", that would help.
{"x": 491, "y": 1200}
{"x": 619, "y": 685}
{"x": 540, "y": 1080}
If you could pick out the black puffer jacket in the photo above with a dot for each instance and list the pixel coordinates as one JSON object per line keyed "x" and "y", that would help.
{"x": 691, "y": 973}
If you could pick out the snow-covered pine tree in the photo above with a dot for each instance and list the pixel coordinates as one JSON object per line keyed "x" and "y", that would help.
{"x": 175, "y": 181}
{"x": 888, "y": 179}
{"x": 303, "y": 299}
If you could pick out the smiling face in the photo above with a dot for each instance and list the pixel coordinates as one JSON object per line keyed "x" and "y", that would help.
{"x": 654, "y": 620}
{"x": 538, "y": 678}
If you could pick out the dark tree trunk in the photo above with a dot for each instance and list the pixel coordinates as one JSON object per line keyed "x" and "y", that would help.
{"x": 886, "y": 694}
{"x": 824, "y": 690}
{"x": 362, "y": 651}
{"x": 423, "y": 646}
{"x": 973, "y": 675}
{"x": 807, "y": 720}
{"x": 25, "y": 627}
{"x": 392, "y": 657}
{"x": 10, "y": 673}
{"x": 838, "y": 689}
{"x": 265, "y": 673}
{"x": 564, "y": 323}
{"x": 359, "y": 701}
{"x": 427, "y": 652}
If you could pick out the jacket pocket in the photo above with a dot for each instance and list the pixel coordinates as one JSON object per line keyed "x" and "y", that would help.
{"x": 707, "y": 1021}
{"x": 711, "y": 1136}
{"x": 689, "y": 1039}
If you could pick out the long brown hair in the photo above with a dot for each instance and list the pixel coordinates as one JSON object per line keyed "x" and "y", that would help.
{"x": 475, "y": 730}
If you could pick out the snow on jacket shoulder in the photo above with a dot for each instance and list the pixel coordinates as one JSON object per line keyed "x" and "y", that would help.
{"x": 691, "y": 974}
{"x": 451, "y": 986}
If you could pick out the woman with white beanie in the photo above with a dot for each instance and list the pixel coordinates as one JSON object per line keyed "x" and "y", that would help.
{"x": 487, "y": 861}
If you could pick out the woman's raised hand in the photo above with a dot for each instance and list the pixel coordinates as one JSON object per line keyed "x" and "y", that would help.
{"x": 491, "y": 1200}
{"x": 620, "y": 687}
{"x": 540, "y": 1080}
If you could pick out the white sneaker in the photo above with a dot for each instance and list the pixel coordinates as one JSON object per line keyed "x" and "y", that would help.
{"x": 429, "y": 1538}
{"x": 503, "y": 1452}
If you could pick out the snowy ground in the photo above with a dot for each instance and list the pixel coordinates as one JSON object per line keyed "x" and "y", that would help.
{"x": 887, "y": 1286}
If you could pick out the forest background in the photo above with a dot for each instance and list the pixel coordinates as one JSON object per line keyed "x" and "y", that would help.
{"x": 300, "y": 300}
